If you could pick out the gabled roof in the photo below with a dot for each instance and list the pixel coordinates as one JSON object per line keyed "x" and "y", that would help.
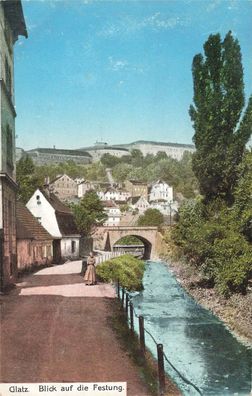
{"x": 66, "y": 224}
{"x": 55, "y": 202}
{"x": 160, "y": 182}
{"x": 60, "y": 177}
{"x": 28, "y": 226}
{"x": 134, "y": 200}
{"x": 109, "y": 204}
{"x": 136, "y": 182}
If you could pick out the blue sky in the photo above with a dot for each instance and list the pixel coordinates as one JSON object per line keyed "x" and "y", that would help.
{"x": 116, "y": 71}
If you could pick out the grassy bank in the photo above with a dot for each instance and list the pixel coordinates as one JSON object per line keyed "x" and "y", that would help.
{"x": 146, "y": 365}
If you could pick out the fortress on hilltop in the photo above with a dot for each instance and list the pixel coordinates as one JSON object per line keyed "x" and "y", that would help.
{"x": 94, "y": 153}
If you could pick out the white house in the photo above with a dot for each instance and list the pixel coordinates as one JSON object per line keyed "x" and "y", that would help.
{"x": 118, "y": 195}
{"x": 58, "y": 220}
{"x": 161, "y": 191}
{"x": 83, "y": 187}
{"x": 140, "y": 203}
{"x": 114, "y": 214}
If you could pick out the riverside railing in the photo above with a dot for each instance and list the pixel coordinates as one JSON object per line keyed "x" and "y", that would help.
{"x": 107, "y": 256}
{"x": 130, "y": 313}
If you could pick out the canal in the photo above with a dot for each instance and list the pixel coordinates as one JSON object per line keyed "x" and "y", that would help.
{"x": 195, "y": 341}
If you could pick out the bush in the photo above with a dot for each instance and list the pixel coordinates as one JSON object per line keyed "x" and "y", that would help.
{"x": 127, "y": 269}
{"x": 151, "y": 217}
{"x": 209, "y": 237}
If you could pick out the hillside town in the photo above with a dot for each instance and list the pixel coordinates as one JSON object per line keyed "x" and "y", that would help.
{"x": 124, "y": 267}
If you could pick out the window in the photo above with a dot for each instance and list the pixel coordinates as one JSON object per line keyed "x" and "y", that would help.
{"x": 73, "y": 243}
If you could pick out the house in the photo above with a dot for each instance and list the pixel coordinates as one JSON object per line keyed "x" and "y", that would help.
{"x": 64, "y": 187}
{"x": 114, "y": 213}
{"x": 111, "y": 193}
{"x": 161, "y": 191}
{"x": 12, "y": 24}
{"x": 83, "y": 187}
{"x": 34, "y": 243}
{"x": 136, "y": 188}
{"x": 161, "y": 198}
{"x": 140, "y": 203}
{"x": 58, "y": 220}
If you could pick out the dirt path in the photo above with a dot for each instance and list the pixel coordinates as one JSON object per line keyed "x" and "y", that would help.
{"x": 55, "y": 329}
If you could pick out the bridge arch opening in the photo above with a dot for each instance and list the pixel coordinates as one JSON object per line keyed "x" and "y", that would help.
{"x": 134, "y": 244}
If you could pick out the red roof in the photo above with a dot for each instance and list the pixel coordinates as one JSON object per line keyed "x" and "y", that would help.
{"x": 28, "y": 226}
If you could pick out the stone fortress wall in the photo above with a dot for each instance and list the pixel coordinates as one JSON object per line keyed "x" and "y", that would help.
{"x": 94, "y": 153}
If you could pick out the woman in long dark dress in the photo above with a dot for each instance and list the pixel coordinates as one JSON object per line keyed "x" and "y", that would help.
{"x": 90, "y": 275}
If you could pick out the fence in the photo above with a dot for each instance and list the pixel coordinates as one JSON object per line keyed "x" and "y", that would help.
{"x": 106, "y": 256}
{"x": 131, "y": 314}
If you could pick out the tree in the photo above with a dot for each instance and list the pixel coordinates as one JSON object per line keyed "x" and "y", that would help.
{"x": 222, "y": 127}
{"x": 137, "y": 157}
{"x": 89, "y": 213}
{"x": 27, "y": 180}
{"x": 151, "y": 217}
{"x": 242, "y": 208}
{"x": 109, "y": 161}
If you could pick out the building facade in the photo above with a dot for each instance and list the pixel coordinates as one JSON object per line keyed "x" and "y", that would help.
{"x": 64, "y": 187}
{"x": 12, "y": 24}
{"x": 136, "y": 188}
{"x": 45, "y": 156}
{"x": 83, "y": 187}
{"x": 34, "y": 243}
{"x": 101, "y": 148}
{"x": 173, "y": 150}
{"x": 161, "y": 191}
{"x": 58, "y": 220}
{"x": 141, "y": 204}
{"x": 114, "y": 194}
{"x": 114, "y": 214}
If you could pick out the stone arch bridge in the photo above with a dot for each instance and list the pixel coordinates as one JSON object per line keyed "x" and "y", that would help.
{"x": 106, "y": 237}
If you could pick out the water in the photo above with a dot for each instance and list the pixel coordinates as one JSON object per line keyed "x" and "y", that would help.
{"x": 195, "y": 341}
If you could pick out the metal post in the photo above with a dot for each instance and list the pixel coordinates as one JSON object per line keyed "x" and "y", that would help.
{"x": 127, "y": 305}
{"x": 161, "y": 372}
{"x": 141, "y": 334}
{"x": 131, "y": 317}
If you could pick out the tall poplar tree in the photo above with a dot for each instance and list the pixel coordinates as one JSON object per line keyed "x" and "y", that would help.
{"x": 222, "y": 125}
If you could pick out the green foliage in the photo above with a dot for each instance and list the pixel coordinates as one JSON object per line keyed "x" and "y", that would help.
{"x": 151, "y": 217}
{"x": 127, "y": 269}
{"x": 89, "y": 213}
{"x": 27, "y": 179}
{"x": 221, "y": 131}
{"x": 129, "y": 240}
{"x": 242, "y": 207}
{"x": 209, "y": 236}
{"x": 179, "y": 174}
{"x": 109, "y": 161}
{"x": 215, "y": 233}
